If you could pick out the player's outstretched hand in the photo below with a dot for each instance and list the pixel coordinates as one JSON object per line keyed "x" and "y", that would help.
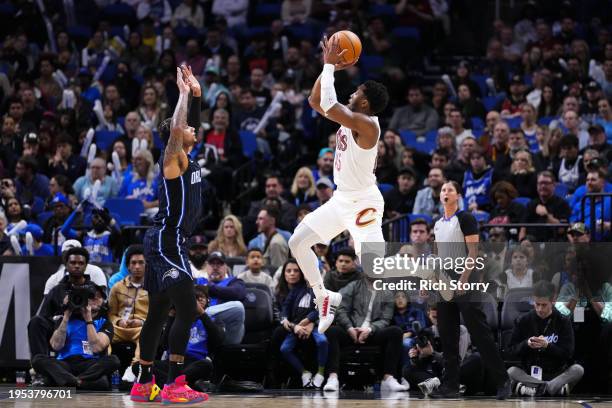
{"x": 180, "y": 82}
{"x": 191, "y": 80}
{"x": 332, "y": 53}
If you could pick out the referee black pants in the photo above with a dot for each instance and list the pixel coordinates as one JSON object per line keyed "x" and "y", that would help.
{"x": 480, "y": 333}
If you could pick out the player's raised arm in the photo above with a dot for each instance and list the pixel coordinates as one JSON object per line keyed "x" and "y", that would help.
{"x": 175, "y": 158}
{"x": 359, "y": 122}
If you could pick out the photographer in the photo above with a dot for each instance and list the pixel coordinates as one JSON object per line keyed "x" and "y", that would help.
{"x": 81, "y": 339}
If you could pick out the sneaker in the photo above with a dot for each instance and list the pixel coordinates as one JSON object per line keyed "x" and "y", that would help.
{"x": 148, "y": 392}
{"x": 391, "y": 384}
{"x": 504, "y": 391}
{"x": 306, "y": 378}
{"x": 180, "y": 393}
{"x": 565, "y": 391}
{"x": 317, "y": 380}
{"x": 445, "y": 392}
{"x": 332, "y": 384}
{"x": 38, "y": 380}
{"x": 327, "y": 310}
{"x": 405, "y": 383}
{"x": 526, "y": 391}
{"x": 430, "y": 385}
{"x": 128, "y": 375}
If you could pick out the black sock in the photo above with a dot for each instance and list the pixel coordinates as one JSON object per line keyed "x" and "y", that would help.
{"x": 176, "y": 369}
{"x": 143, "y": 373}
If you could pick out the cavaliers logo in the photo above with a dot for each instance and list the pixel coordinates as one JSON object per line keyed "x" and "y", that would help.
{"x": 366, "y": 217}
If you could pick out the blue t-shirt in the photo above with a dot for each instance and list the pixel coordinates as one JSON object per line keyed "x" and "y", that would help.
{"x": 44, "y": 250}
{"x": 76, "y": 339}
{"x": 197, "y": 347}
{"x": 138, "y": 189}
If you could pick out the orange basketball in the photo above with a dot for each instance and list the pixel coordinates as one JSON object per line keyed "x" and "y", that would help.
{"x": 348, "y": 40}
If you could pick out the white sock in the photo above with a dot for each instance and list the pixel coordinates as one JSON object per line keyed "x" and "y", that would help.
{"x": 319, "y": 290}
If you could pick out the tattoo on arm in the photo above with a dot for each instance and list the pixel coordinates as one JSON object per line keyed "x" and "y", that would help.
{"x": 179, "y": 121}
{"x": 59, "y": 336}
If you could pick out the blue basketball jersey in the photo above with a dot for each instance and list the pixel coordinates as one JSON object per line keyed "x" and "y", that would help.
{"x": 477, "y": 190}
{"x": 98, "y": 246}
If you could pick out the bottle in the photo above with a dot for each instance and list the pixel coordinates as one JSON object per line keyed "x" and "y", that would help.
{"x": 115, "y": 380}
{"x": 20, "y": 378}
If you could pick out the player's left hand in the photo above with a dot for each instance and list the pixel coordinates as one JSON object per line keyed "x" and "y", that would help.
{"x": 332, "y": 53}
{"x": 180, "y": 82}
{"x": 191, "y": 80}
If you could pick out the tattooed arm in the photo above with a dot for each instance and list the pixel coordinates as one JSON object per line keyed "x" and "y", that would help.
{"x": 175, "y": 158}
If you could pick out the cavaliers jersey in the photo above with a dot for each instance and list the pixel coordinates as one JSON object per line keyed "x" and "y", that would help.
{"x": 180, "y": 201}
{"x": 353, "y": 166}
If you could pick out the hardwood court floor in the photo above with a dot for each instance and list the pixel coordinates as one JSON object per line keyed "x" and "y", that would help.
{"x": 308, "y": 399}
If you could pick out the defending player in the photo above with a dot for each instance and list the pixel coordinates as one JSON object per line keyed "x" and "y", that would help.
{"x": 168, "y": 277}
{"x": 357, "y": 205}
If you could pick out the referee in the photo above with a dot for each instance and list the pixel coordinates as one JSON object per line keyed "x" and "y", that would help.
{"x": 456, "y": 235}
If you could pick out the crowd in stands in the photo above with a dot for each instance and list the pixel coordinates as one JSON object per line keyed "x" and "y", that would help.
{"x": 521, "y": 119}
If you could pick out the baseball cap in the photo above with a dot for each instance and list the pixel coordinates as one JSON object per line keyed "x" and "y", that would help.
{"x": 70, "y": 243}
{"x": 593, "y": 86}
{"x": 33, "y": 229}
{"x": 60, "y": 198}
{"x": 31, "y": 138}
{"x": 597, "y": 128}
{"x": 212, "y": 69}
{"x": 324, "y": 150}
{"x": 324, "y": 181}
{"x": 216, "y": 255}
{"x": 578, "y": 227}
{"x": 197, "y": 241}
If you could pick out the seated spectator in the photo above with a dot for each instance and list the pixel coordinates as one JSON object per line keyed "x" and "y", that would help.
{"x": 499, "y": 150}
{"x": 226, "y": 294}
{"x": 511, "y": 106}
{"x": 595, "y": 182}
{"x": 298, "y": 316}
{"x": 505, "y": 210}
{"x": 14, "y": 213}
{"x": 545, "y": 339}
{"x": 84, "y": 185}
{"x": 344, "y": 272}
{"x": 469, "y": 105}
{"x": 198, "y": 252}
{"x": 229, "y": 239}
{"x": 28, "y": 181}
{"x": 604, "y": 118}
{"x": 400, "y": 199}
{"x": 522, "y": 174}
{"x": 457, "y": 167}
{"x": 82, "y": 360}
{"x": 573, "y": 126}
{"x": 570, "y": 170}
{"x": 547, "y": 208}
{"x": 325, "y": 164}
{"x": 205, "y": 338}
{"x": 599, "y": 142}
{"x": 427, "y": 200}
{"x": 358, "y": 322}
{"x": 302, "y": 189}
{"x": 5, "y": 243}
{"x": 61, "y": 209}
{"x": 94, "y": 272}
{"x": 102, "y": 240}
{"x": 457, "y": 122}
{"x": 275, "y": 248}
{"x": 141, "y": 182}
{"x": 477, "y": 182}
{"x": 497, "y": 259}
{"x": 60, "y": 184}
{"x": 64, "y": 161}
{"x": 129, "y": 302}
{"x": 403, "y": 317}
{"x": 324, "y": 192}
{"x": 530, "y": 127}
{"x": 385, "y": 170}
{"x": 416, "y": 116}
{"x": 274, "y": 189}
{"x": 520, "y": 274}
{"x": 445, "y": 145}
{"x": 569, "y": 272}
{"x": 188, "y": 13}
{"x": 254, "y": 272}
{"x": 35, "y": 246}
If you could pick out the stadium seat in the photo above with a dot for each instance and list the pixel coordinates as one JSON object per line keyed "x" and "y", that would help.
{"x": 431, "y": 136}
{"x": 301, "y": 31}
{"x": 385, "y": 187}
{"x": 42, "y": 218}
{"x": 268, "y": 10}
{"x": 425, "y": 146}
{"x": 477, "y": 123}
{"x": 371, "y": 65}
{"x": 359, "y": 366}
{"x": 408, "y": 137}
{"x": 489, "y": 102}
{"x": 524, "y": 201}
{"x": 562, "y": 190}
{"x": 128, "y": 210}
{"x": 406, "y": 32}
{"x": 382, "y": 10}
{"x": 481, "y": 216}
{"x": 481, "y": 80}
{"x": 80, "y": 33}
{"x": 545, "y": 121}
{"x": 514, "y": 122}
{"x": 261, "y": 286}
{"x": 423, "y": 216}
{"x": 249, "y": 143}
{"x": 257, "y": 30}
{"x": 516, "y": 303}
{"x": 104, "y": 139}
{"x": 119, "y": 13}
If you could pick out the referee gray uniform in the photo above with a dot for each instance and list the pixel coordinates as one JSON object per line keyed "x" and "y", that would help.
{"x": 450, "y": 236}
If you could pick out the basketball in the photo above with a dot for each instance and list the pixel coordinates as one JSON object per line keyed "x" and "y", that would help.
{"x": 348, "y": 40}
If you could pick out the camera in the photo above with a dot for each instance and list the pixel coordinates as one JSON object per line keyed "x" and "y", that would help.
{"x": 79, "y": 295}
{"x": 421, "y": 337}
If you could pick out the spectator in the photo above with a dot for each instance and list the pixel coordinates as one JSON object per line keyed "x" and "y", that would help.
{"x": 416, "y": 117}
{"x": 547, "y": 208}
{"x": 549, "y": 106}
{"x": 599, "y": 142}
{"x": 84, "y": 186}
{"x": 395, "y": 147}
{"x": 505, "y": 210}
{"x": 31, "y": 147}
{"x": 36, "y": 247}
{"x": 358, "y": 323}
{"x": 469, "y": 105}
{"x": 456, "y": 122}
{"x": 303, "y": 190}
{"x": 581, "y": 212}
{"x": 520, "y": 274}
{"x": 570, "y": 169}
{"x": 65, "y": 162}
{"x": 229, "y": 239}
{"x": 198, "y": 252}
{"x": 60, "y": 184}
{"x": 345, "y": 270}
{"x": 275, "y": 249}
{"x": 188, "y": 13}
{"x": 261, "y": 93}
{"x": 247, "y": 117}
{"x": 427, "y": 200}
{"x": 226, "y": 294}
{"x": 477, "y": 182}
{"x": 102, "y": 240}
{"x": 445, "y": 143}
{"x": 14, "y": 213}
{"x": 544, "y": 338}
{"x": 151, "y": 109}
{"x": 400, "y": 199}
{"x": 457, "y": 168}
{"x": 157, "y": 10}
{"x": 5, "y": 243}
{"x": 214, "y": 45}
{"x": 605, "y": 116}
{"x": 325, "y": 164}
{"x": 224, "y": 138}
{"x": 572, "y": 124}
{"x": 385, "y": 171}
{"x": 132, "y": 123}
{"x": 274, "y": 189}
{"x": 234, "y": 12}
{"x": 61, "y": 208}
{"x": 523, "y": 174}
{"x": 511, "y": 106}
{"x": 529, "y": 126}
{"x": 9, "y": 144}
{"x": 125, "y": 166}
{"x": 28, "y": 181}
{"x": 499, "y": 151}
{"x": 439, "y": 98}
{"x": 254, "y": 272}
{"x": 129, "y": 302}
{"x": 403, "y": 317}
{"x": 141, "y": 182}
{"x": 325, "y": 190}
{"x": 295, "y": 11}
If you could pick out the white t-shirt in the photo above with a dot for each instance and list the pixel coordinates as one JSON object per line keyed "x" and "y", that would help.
{"x": 95, "y": 274}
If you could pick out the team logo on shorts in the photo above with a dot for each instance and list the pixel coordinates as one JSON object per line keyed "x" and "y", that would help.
{"x": 366, "y": 217}
{"x": 171, "y": 273}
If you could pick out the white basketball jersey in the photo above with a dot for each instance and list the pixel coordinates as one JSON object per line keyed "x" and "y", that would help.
{"x": 353, "y": 166}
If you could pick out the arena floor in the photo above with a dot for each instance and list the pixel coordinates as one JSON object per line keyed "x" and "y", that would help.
{"x": 272, "y": 399}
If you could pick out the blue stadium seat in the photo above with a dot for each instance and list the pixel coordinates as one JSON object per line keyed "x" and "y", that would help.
{"x": 408, "y": 137}
{"x": 119, "y": 13}
{"x": 426, "y": 146}
{"x": 562, "y": 190}
{"x": 157, "y": 140}
{"x": 423, "y": 216}
{"x": 514, "y": 122}
{"x": 382, "y": 10}
{"x": 524, "y": 201}
{"x": 545, "y": 121}
{"x": 128, "y": 210}
{"x": 105, "y": 138}
{"x": 481, "y": 80}
{"x": 268, "y": 10}
{"x": 301, "y": 31}
{"x": 256, "y": 30}
{"x": 43, "y": 217}
{"x": 249, "y": 143}
{"x": 371, "y": 65}
{"x": 81, "y": 32}
{"x": 431, "y": 136}
{"x": 384, "y": 187}
{"x": 477, "y": 123}
{"x": 489, "y": 102}
{"x": 406, "y": 32}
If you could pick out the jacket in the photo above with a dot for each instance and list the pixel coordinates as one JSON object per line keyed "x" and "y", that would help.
{"x": 335, "y": 280}
{"x": 294, "y": 310}
{"x": 354, "y": 307}
{"x": 125, "y": 295}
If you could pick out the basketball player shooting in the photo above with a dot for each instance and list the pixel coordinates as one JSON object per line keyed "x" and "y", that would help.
{"x": 357, "y": 205}
{"x": 168, "y": 277}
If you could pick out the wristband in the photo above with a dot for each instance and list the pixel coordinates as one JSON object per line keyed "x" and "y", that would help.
{"x": 90, "y": 322}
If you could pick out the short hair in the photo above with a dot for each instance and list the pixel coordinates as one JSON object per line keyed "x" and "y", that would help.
{"x": 245, "y": 91}
{"x": 201, "y": 290}
{"x": 28, "y": 162}
{"x": 544, "y": 289}
{"x": 599, "y": 171}
{"x": 503, "y": 187}
{"x": 440, "y": 152}
{"x": 80, "y": 251}
{"x": 456, "y": 110}
{"x": 347, "y": 251}
{"x": 377, "y": 96}
{"x": 569, "y": 140}
{"x": 420, "y": 221}
{"x": 256, "y": 249}
{"x": 135, "y": 249}
{"x": 272, "y": 212}
{"x": 549, "y": 174}
{"x": 164, "y": 129}
{"x": 456, "y": 186}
